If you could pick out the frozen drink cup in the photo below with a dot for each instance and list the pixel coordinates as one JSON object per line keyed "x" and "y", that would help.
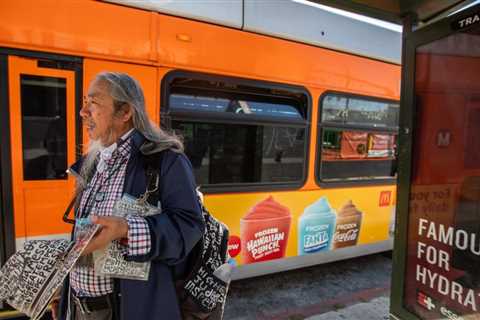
{"x": 349, "y": 221}
{"x": 264, "y": 231}
{"x": 315, "y": 228}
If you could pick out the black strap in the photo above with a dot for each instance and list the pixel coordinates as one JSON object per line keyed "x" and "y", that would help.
{"x": 152, "y": 172}
{"x": 67, "y": 211}
{"x": 77, "y": 195}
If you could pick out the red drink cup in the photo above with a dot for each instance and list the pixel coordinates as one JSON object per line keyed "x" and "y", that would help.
{"x": 264, "y": 231}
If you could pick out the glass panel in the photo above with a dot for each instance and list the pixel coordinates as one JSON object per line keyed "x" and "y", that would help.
{"x": 44, "y": 127}
{"x": 357, "y": 155}
{"x": 359, "y": 111}
{"x": 197, "y": 103}
{"x": 334, "y": 108}
{"x": 188, "y": 102}
{"x": 442, "y": 275}
{"x": 233, "y": 153}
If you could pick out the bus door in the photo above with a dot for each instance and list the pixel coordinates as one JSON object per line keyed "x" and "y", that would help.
{"x": 436, "y": 273}
{"x": 41, "y": 123}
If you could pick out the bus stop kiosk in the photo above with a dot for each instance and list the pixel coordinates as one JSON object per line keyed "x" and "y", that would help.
{"x": 436, "y": 273}
{"x": 436, "y": 260}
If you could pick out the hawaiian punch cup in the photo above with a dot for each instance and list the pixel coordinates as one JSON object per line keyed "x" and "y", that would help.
{"x": 315, "y": 227}
{"x": 264, "y": 231}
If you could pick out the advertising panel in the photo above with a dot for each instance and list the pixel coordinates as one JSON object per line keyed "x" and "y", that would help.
{"x": 442, "y": 275}
{"x": 269, "y": 226}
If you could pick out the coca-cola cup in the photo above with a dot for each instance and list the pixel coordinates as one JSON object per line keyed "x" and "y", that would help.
{"x": 347, "y": 231}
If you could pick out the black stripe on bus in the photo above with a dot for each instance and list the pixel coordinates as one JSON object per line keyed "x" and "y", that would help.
{"x": 39, "y": 55}
{"x": 7, "y": 231}
{"x": 78, "y": 106}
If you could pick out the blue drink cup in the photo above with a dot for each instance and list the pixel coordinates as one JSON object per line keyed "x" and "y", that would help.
{"x": 316, "y": 227}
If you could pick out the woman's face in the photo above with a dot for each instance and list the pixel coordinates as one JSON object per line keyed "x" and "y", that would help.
{"x": 99, "y": 117}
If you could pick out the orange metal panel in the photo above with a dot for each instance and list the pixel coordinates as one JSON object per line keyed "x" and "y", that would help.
{"x": 76, "y": 26}
{"x": 189, "y": 44}
{"x": 38, "y": 205}
{"x": 93, "y": 29}
{"x": 312, "y": 147}
{"x": 16, "y": 154}
{"x": 147, "y": 76}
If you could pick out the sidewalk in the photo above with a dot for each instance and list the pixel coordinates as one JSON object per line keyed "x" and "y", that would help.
{"x": 375, "y": 309}
{"x": 370, "y": 304}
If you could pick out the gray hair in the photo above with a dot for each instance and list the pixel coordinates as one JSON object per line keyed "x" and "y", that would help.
{"x": 124, "y": 89}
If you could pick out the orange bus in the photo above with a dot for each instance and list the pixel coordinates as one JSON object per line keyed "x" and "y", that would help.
{"x": 292, "y": 139}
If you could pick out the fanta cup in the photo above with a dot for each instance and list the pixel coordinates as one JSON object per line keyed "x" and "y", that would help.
{"x": 315, "y": 228}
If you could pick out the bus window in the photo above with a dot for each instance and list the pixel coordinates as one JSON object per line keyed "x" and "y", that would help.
{"x": 44, "y": 127}
{"x": 214, "y": 104}
{"x": 236, "y": 133}
{"x": 357, "y": 138}
{"x": 354, "y": 111}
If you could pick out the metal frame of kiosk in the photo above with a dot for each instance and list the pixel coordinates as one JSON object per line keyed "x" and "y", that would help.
{"x": 409, "y": 116}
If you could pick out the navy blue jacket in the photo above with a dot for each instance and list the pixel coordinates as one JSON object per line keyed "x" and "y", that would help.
{"x": 174, "y": 234}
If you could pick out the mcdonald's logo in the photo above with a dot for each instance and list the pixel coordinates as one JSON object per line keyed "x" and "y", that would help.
{"x": 444, "y": 138}
{"x": 385, "y": 198}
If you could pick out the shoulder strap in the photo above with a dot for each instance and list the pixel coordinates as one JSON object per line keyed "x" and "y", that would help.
{"x": 75, "y": 202}
{"x": 152, "y": 172}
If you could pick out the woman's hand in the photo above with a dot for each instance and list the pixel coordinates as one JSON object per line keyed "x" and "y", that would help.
{"x": 112, "y": 228}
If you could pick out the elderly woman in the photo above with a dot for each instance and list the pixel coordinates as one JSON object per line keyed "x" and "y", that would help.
{"x": 123, "y": 139}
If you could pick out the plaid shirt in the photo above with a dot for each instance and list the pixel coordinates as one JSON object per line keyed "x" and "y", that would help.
{"x": 99, "y": 198}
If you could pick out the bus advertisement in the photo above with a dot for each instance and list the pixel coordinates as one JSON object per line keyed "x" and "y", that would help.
{"x": 293, "y": 139}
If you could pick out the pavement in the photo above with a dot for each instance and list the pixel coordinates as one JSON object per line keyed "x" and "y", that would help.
{"x": 370, "y": 304}
{"x": 375, "y": 309}
{"x": 309, "y": 292}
